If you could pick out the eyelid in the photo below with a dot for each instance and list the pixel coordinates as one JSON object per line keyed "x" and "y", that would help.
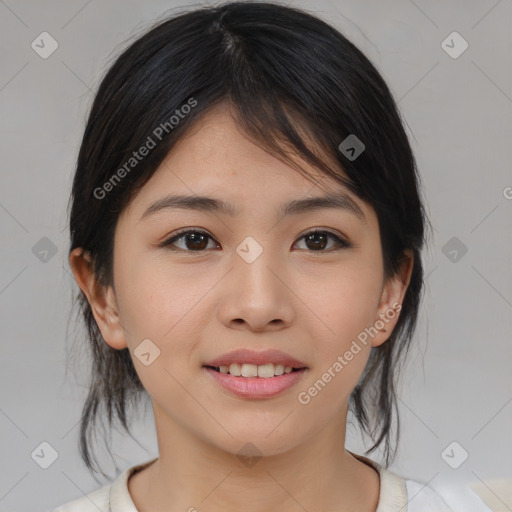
{"x": 181, "y": 232}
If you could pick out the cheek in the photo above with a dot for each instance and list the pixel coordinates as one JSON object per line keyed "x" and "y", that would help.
{"x": 345, "y": 300}
{"x": 156, "y": 299}
{"x": 161, "y": 310}
{"x": 346, "y": 308}
{"x": 168, "y": 307}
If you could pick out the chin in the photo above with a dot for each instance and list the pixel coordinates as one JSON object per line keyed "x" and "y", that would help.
{"x": 253, "y": 443}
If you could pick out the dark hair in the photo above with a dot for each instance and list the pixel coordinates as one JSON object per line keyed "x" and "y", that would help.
{"x": 287, "y": 75}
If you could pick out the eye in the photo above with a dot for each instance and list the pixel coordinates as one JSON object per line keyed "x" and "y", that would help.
{"x": 316, "y": 240}
{"x": 196, "y": 241}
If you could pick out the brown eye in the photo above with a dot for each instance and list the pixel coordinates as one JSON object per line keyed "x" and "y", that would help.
{"x": 318, "y": 240}
{"x": 193, "y": 240}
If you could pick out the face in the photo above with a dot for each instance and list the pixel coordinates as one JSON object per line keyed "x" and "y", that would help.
{"x": 253, "y": 280}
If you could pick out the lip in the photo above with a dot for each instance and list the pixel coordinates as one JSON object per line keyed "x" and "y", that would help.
{"x": 241, "y": 356}
{"x": 256, "y": 387}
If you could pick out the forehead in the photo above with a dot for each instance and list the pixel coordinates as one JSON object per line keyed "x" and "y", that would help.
{"x": 215, "y": 167}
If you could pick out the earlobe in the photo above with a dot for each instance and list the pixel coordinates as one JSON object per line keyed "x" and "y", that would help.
{"x": 392, "y": 297}
{"x": 102, "y": 300}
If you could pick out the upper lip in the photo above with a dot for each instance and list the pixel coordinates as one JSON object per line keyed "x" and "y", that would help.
{"x": 258, "y": 358}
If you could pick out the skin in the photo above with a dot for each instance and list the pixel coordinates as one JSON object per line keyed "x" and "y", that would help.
{"x": 195, "y": 306}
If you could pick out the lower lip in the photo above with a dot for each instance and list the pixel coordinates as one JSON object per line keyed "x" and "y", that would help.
{"x": 256, "y": 387}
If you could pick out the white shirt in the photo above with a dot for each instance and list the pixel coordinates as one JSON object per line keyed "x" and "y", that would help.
{"x": 396, "y": 494}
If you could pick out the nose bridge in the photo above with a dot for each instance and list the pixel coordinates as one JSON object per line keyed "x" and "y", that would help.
{"x": 257, "y": 293}
{"x": 256, "y": 266}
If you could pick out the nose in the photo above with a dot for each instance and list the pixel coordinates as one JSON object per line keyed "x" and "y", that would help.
{"x": 256, "y": 296}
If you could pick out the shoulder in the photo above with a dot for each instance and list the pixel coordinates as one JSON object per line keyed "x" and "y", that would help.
{"x": 421, "y": 498}
{"x": 403, "y": 494}
{"x": 114, "y": 496}
{"x": 96, "y": 501}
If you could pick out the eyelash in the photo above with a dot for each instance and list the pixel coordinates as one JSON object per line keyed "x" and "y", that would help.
{"x": 340, "y": 242}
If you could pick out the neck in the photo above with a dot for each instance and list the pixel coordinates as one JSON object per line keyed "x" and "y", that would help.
{"x": 192, "y": 474}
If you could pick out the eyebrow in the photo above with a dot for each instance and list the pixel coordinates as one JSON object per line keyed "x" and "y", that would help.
{"x": 298, "y": 206}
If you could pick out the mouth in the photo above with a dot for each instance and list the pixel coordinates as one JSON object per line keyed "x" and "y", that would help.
{"x": 250, "y": 374}
{"x": 247, "y": 370}
{"x": 251, "y": 381}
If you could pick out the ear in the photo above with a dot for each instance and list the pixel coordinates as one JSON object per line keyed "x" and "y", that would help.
{"x": 101, "y": 299}
{"x": 391, "y": 300}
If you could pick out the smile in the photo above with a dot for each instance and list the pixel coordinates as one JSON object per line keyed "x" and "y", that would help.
{"x": 264, "y": 371}
{"x": 255, "y": 381}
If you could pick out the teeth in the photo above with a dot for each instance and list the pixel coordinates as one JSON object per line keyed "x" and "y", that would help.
{"x": 235, "y": 369}
{"x": 264, "y": 371}
{"x": 249, "y": 370}
{"x": 279, "y": 369}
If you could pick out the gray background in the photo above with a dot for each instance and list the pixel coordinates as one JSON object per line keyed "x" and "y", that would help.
{"x": 457, "y": 385}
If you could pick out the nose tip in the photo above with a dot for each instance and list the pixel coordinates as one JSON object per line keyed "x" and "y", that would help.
{"x": 255, "y": 297}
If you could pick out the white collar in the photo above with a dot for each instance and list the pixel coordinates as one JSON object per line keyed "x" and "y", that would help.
{"x": 392, "y": 494}
{"x": 393, "y": 491}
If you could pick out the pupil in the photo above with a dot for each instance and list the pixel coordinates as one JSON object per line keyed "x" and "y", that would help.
{"x": 196, "y": 238}
{"x": 312, "y": 236}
